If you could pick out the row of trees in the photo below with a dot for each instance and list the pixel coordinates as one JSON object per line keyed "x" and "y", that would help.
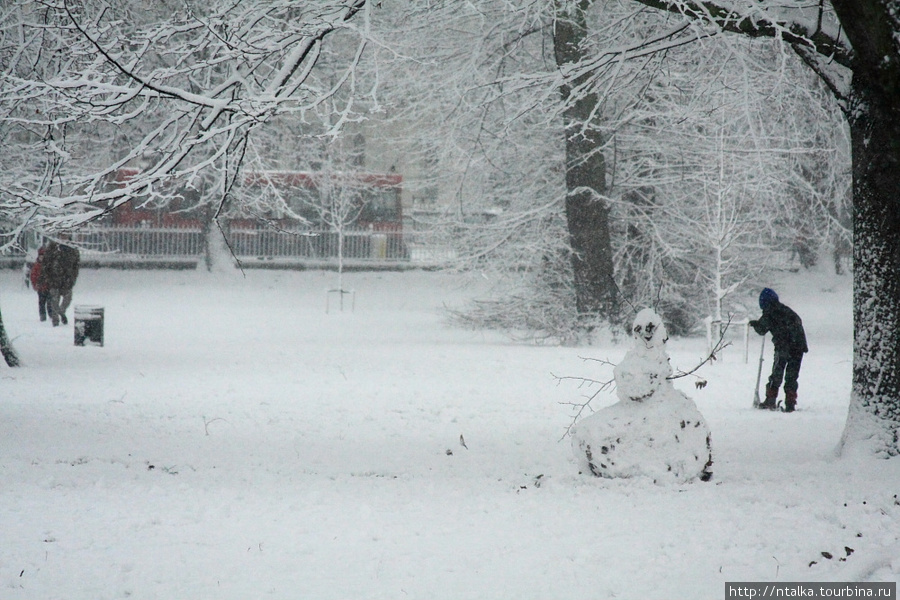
{"x": 696, "y": 168}
{"x": 631, "y": 144}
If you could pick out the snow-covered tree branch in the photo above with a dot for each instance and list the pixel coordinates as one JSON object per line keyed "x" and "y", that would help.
{"x": 176, "y": 87}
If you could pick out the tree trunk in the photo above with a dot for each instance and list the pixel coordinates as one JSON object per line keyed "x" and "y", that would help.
{"x": 9, "y": 353}
{"x": 873, "y": 421}
{"x": 874, "y": 417}
{"x": 217, "y": 255}
{"x": 587, "y": 215}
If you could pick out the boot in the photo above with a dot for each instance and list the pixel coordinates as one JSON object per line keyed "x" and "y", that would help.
{"x": 771, "y": 395}
{"x": 790, "y": 401}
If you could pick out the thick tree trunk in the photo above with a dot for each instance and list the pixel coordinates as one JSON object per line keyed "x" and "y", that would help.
{"x": 873, "y": 421}
{"x": 587, "y": 218}
{"x": 587, "y": 215}
{"x": 874, "y": 417}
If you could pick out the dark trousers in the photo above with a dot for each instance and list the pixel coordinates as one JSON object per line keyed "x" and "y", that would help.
{"x": 785, "y": 367}
{"x": 59, "y": 302}
{"x": 44, "y": 305}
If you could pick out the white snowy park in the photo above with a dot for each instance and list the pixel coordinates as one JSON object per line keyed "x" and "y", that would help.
{"x": 471, "y": 354}
{"x": 232, "y": 440}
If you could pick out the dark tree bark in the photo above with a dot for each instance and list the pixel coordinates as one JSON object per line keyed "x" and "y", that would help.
{"x": 875, "y": 139}
{"x": 872, "y": 108}
{"x": 587, "y": 215}
{"x": 9, "y": 353}
{"x": 874, "y": 118}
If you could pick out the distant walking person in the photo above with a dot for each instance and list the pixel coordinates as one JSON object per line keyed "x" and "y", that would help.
{"x": 790, "y": 345}
{"x": 60, "y": 269}
{"x": 39, "y": 284}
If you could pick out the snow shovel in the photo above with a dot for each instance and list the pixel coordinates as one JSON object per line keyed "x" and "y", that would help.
{"x": 762, "y": 348}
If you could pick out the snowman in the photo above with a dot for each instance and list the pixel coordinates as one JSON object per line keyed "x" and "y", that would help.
{"x": 653, "y": 431}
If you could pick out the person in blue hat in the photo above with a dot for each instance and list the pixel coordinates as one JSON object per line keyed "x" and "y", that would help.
{"x": 789, "y": 340}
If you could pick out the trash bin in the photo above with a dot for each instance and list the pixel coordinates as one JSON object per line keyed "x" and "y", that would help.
{"x": 89, "y": 325}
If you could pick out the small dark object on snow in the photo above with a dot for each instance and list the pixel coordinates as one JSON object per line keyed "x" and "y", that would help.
{"x": 849, "y": 550}
{"x": 88, "y": 325}
{"x": 827, "y": 555}
{"x": 700, "y": 384}
{"x": 812, "y": 562}
{"x": 449, "y": 452}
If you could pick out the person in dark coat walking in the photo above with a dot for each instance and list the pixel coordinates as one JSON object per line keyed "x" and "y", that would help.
{"x": 39, "y": 284}
{"x": 789, "y": 340}
{"x": 60, "y": 267}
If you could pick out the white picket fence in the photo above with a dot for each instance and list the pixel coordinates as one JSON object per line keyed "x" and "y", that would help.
{"x": 358, "y": 244}
{"x": 123, "y": 244}
{"x": 167, "y": 242}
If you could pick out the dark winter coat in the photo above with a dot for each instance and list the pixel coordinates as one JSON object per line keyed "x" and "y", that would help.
{"x": 786, "y": 327}
{"x": 60, "y": 266}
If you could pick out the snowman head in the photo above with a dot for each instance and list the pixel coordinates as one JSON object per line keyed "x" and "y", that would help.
{"x": 649, "y": 330}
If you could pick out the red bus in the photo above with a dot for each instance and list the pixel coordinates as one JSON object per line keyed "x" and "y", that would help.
{"x": 180, "y": 210}
{"x": 369, "y": 201}
{"x": 322, "y": 200}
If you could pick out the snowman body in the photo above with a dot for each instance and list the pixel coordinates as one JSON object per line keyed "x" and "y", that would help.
{"x": 654, "y": 430}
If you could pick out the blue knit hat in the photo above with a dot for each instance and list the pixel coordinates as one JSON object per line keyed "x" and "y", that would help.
{"x": 767, "y": 297}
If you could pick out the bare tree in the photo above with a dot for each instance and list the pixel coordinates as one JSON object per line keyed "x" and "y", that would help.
{"x": 338, "y": 208}
{"x": 704, "y": 173}
{"x": 532, "y": 119}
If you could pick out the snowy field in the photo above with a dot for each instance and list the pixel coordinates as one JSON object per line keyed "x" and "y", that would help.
{"x": 233, "y": 441}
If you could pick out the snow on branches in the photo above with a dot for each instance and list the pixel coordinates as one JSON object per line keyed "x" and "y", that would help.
{"x": 91, "y": 87}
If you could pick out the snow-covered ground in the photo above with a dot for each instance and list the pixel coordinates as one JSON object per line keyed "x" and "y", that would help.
{"x": 233, "y": 441}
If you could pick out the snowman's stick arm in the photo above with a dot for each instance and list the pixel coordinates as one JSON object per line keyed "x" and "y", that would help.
{"x": 720, "y": 345}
